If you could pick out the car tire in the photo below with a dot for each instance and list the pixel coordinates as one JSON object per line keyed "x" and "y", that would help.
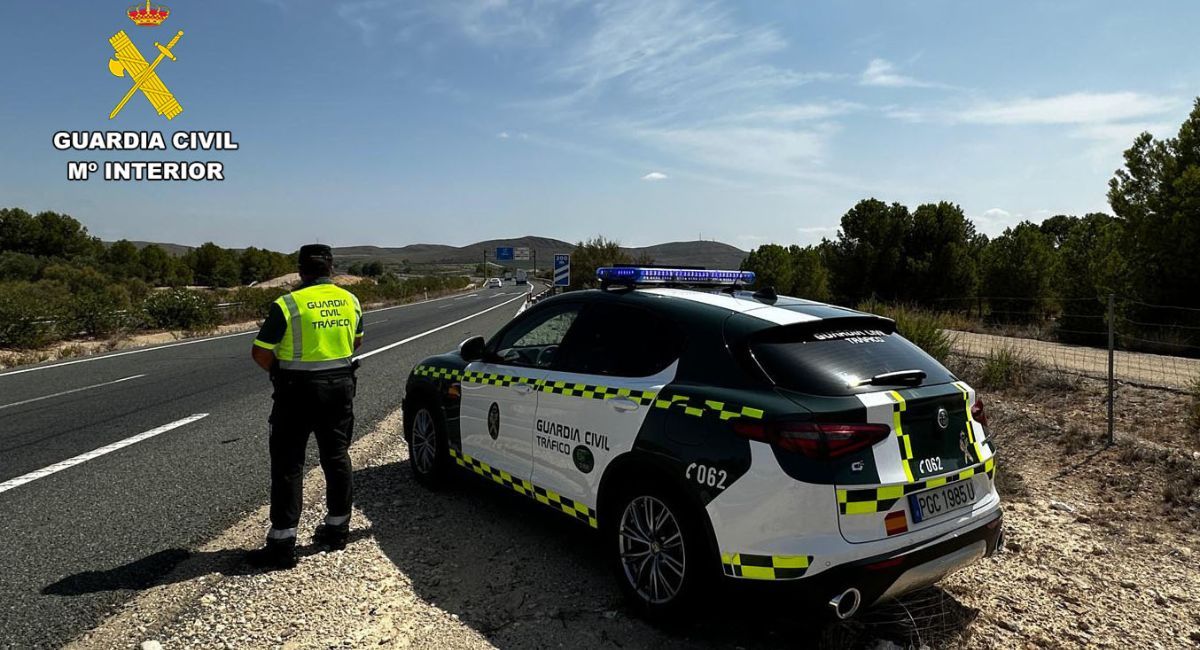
{"x": 428, "y": 452}
{"x": 665, "y": 574}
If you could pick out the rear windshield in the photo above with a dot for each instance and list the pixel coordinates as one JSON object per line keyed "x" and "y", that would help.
{"x": 829, "y": 361}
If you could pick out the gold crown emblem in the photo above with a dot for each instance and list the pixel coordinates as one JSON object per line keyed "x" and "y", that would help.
{"x": 149, "y": 16}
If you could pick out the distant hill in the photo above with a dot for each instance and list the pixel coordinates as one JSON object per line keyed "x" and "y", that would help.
{"x": 544, "y": 247}
{"x": 693, "y": 253}
{"x": 174, "y": 250}
{"x": 712, "y": 254}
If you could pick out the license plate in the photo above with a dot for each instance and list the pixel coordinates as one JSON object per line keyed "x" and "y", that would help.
{"x": 940, "y": 501}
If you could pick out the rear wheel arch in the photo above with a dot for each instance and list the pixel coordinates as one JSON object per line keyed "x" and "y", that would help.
{"x": 639, "y": 467}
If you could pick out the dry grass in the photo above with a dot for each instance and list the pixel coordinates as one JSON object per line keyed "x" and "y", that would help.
{"x": 1005, "y": 367}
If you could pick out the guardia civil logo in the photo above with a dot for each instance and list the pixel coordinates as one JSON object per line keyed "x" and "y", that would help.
{"x": 130, "y": 63}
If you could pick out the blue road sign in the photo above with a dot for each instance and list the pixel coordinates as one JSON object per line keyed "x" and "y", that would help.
{"x": 562, "y": 270}
{"x": 504, "y": 253}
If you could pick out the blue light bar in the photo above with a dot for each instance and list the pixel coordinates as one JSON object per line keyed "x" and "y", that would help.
{"x": 644, "y": 275}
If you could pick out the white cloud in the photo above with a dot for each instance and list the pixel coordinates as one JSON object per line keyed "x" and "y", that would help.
{"x": 701, "y": 86}
{"x": 484, "y": 22}
{"x": 669, "y": 54}
{"x": 813, "y": 230}
{"x": 791, "y": 113}
{"x": 881, "y": 72}
{"x": 1073, "y": 108}
{"x": 993, "y": 221}
{"x": 655, "y": 176}
{"x": 745, "y": 150}
{"x": 696, "y": 83}
{"x": 1110, "y": 121}
{"x": 503, "y": 135}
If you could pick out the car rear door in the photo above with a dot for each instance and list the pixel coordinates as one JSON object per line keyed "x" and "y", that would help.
{"x": 596, "y": 398}
{"x": 499, "y": 393}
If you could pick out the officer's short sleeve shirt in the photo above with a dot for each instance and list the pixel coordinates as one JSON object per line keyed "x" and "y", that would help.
{"x": 272, "y": 330}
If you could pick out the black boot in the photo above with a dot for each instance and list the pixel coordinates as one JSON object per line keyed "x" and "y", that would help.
{"x": 277, "y": 554}
{"x": 333, "y": 538}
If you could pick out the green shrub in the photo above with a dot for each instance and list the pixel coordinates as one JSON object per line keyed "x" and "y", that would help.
{"x": 1005, "y": 367}
{"x": 100, "y": 312}
{"x": 925, "y": 329}
{"x": 32, "y": 314}
{"x": 180, "y": 309}
{"x": 250, "y": 303}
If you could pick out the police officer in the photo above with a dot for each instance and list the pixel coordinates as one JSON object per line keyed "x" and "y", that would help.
{"x": 306, "y": 343}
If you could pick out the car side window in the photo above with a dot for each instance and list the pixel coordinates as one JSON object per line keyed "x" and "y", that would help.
{"x": 621, "y": 341}
{"x": 533, "y": 341}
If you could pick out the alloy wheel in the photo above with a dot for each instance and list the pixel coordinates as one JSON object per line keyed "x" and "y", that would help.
{"x": 424, "y": 442}
{"x": 652, "y": 550}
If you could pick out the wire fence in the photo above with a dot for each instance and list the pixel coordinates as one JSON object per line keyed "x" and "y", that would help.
{"x": 1117, "y": 339}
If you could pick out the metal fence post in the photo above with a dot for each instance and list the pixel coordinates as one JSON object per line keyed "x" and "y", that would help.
{"x": 1111, "y": 345}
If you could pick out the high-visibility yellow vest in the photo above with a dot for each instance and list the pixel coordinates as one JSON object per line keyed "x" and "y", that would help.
{"x": 322, "y": 322}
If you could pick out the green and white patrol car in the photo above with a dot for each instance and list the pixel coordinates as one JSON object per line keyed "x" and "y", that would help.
{"x": 708, "y": 431}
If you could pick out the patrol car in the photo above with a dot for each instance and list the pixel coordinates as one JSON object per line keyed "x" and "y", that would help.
{"x": 712, "y": 433}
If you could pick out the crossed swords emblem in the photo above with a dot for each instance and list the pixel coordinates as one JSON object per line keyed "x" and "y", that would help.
{"x": 130, "y": 61}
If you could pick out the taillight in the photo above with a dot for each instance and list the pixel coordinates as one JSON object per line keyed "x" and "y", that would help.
{"x": 977, "y": 412}
{"x": 814, "y": 439}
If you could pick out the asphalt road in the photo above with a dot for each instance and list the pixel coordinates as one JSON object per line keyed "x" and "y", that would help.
{"x": 176, "y": 489}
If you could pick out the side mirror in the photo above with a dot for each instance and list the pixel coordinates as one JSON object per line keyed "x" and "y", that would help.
{"x": 471, "y": 349}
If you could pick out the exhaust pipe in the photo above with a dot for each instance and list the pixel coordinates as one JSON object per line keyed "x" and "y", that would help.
{"x": 845, "y": 604}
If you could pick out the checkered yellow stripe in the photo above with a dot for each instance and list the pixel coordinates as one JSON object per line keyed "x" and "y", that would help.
{"x": 765, "y": 567}
{"x": 590, "y": 391}
{"x": 699, "y": 408}
{"x": 899, "y": 406}
{"x": 695, "y": 407}
{"x": 491, "y": 379}
{"x": 437, "y": 373}
{"x": 881, "y": 499}
{"x": 525, "y": 488}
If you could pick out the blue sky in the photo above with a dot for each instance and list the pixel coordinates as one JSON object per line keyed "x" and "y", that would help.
{"x": 394, "y": 121}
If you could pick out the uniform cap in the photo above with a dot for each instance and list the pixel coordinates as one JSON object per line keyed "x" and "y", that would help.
{"x": 316, "y": 252}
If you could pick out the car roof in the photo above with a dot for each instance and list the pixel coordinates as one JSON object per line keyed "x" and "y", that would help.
{"x": 704, "y": 303}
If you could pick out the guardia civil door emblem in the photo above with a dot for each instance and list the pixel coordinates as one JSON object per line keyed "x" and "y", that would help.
{"x": 143, "y": 74}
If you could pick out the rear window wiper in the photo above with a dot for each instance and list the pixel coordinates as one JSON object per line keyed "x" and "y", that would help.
{"x": 898, "y": 378}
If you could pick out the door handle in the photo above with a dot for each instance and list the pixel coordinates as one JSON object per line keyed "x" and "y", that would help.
{"x": 623, "y": 404}
{"x": 523, "y": 389}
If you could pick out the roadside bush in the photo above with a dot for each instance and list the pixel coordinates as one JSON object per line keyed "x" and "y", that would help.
{"x": 98, "y": 312}
{"x": 924, "y": 328}
{"x": 180, "y": 309}
{"x": 252, "y": 303}
{"x": 32, "y": 313}
{"x": 19, "y": 266}
{"x": 1005, "y": 367}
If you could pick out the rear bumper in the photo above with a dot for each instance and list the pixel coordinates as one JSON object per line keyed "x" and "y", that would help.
{"x": 893, "y": 574}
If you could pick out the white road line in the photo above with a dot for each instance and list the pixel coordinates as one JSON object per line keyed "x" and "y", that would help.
{"x": 107, "y": 449}
{"x": 181, "y": 343}
{"x": 428, "y": 332}
{"x": 69, "y": 392}
{"x": 408, "y": 304}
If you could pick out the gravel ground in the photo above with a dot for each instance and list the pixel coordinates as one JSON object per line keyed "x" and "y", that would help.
{"x": 1098, "y": 557}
